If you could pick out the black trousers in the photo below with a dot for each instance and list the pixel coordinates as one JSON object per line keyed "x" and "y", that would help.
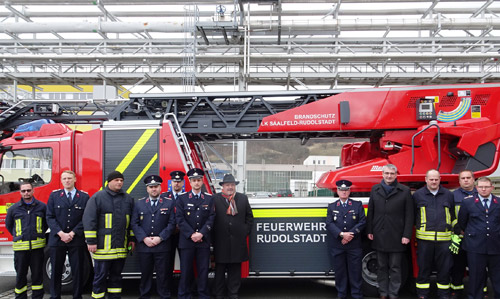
{"x": 233, "y": 282}
{"x": 107, "y": 278}
{"x": 347, "y": 267}
{"x": 148, "y": 262}
{"x": 458, "y": 270}
{"x": 477, "y": 273}
{"x": 33, "y": 260}
{"x": 188, "y": 256}
{"x": 432, "y": 254}
{"x": 174, "y": 244}
{"x": 58, "y": 258}
{"x": 389, "y": 273}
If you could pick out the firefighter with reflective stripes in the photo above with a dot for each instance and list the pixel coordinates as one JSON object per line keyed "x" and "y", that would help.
{"x": 434, "y": 219}
{"x": 26, "y": 223}
{"x": 108, "y": 233}
{"x": 466, "y": 190}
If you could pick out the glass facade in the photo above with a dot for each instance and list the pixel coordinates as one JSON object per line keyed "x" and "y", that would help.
{"x": 273, "y": 181}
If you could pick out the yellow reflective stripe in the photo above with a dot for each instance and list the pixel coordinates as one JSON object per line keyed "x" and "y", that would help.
{"x": 19, "y": 229}
{"x": 432, "y": 235}
{"x": 423, "y": 218}
{"x": 485, "y": 289}
{"x": 114, "y": 290}
{"x": 107, "y": 242}
{"x": 423, "y": 285}
{"x": 130, "y": 232}
{"x": 90, "y": 234}
{"x": 110, "y": 256}
{"x": 21, "y": 290}
{"x": 134, "y": 151}
{"x": 454, "y": 222}
{"x": 457, "y": 209}
{"x": 448, "y": 217}
{"x": 459, "y": 287}
{"x": 143, "y": 172}
{"x": 3, "y": 209}
{"x": 25, "y": 245}
{"x": 108, "y": 220}
{"x": 443, "y": 286}
{"x": 39, "y": 224}
{"x": 37, "y": 287}
{"x": 281, "y": 213}
{"x": 99, "y": 295}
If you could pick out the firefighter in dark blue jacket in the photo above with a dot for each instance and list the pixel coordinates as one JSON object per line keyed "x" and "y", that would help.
{"x": 434, "y": 221}
{"x": 153, "y": 222}
{"x": 177, "y": 182}
{"x": 195, "y": 214}
{"x": 64, "y": 216}
{"x": 345, "y": 220}
{"x": 479, "y": 217}
{"x": 25, "y": 221}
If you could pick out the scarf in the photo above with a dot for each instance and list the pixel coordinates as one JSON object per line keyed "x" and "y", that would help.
{"x": 231, "y": 210}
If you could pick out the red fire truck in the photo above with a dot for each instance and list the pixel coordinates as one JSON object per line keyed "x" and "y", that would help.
{"x": 449, "y": 128}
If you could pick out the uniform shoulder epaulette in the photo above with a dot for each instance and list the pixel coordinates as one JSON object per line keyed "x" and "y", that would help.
{"x": 142, "y": 198}
{"x": 83, "y": 191}
{"x": 207, "y": 193}
{"x": 182, "y": 193}
{"x": 56, "y": 190}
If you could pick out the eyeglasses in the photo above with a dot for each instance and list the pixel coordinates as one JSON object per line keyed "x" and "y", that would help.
{"x": 483, "y": 187}
{"x": 26, "y": 190}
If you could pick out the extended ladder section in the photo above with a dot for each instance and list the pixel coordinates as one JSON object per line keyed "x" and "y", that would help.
{"x": 201, "y": 116}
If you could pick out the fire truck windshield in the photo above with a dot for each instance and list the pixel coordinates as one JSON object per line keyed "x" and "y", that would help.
{"x": 33, "y": 165}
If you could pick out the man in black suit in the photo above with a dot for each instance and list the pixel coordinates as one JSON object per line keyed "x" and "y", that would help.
{"x": 233, "y": 222}
{"x": 64, "y": 216}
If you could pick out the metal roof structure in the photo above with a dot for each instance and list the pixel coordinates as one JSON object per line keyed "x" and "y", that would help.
{"x": 287, "y": 44}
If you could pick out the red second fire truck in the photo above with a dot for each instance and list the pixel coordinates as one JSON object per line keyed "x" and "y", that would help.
{"x": 449, "y": 128}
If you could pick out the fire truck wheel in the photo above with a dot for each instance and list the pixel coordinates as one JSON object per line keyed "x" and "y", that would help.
{"x": 369, "y": 273}
{"x": 67, "y": 277}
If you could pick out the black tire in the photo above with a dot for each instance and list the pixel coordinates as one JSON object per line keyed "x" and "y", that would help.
{"x": 369, "y": 273}
{"x": 67, "y": 279}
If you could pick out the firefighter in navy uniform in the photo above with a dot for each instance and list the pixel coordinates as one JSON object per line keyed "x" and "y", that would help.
{"x": 153, "y": 222}
{"x": 434, "y": 221}
{"x": 466, "y": 190}
{"x": 345, "y": 220}
{"x": 479, "y": 217}
{"x": 25, "y": 221}
{"x": 195, "y": 216}
{"x": 177, "y": 181}
{"x": 64, "y": 216}
{"x": 106, "y": 223}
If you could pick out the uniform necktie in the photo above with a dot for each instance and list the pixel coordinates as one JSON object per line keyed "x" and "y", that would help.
{"x": 176, "y": 196}
{"x": 344, "y": 204}
{"x": 69, "y": 196}
{"x": 154, "y": 202}
{"x": 485, "y": 203}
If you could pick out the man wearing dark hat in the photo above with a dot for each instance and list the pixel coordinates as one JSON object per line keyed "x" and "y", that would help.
{"x": 153, "y": 222}
{"x": 177, "y": 183}
{"x": 106, "y": 223}
{"x": 345, "y": 220}
{"x": 233, "y": 222}
{"x": 195, "y": 215}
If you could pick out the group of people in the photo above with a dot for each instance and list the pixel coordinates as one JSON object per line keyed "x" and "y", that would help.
{"x": 452, "y": 230}
{"x": 110, "y": 224}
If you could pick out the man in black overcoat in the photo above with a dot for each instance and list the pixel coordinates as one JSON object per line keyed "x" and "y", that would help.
{"x": 233, "y": 222}
{"x": 390, "y": 226}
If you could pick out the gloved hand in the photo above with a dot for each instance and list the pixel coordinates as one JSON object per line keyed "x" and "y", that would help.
{"x": 455, "y": 243}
